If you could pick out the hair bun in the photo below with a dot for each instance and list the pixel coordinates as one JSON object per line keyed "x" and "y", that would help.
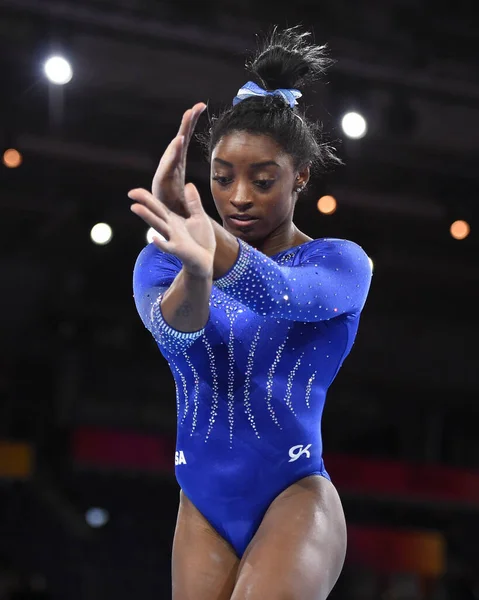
{"x": 285, "y": 59}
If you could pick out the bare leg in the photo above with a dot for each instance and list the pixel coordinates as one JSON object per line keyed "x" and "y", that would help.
{"x": 299, "y": 549}
{"x": 204, "y": 565}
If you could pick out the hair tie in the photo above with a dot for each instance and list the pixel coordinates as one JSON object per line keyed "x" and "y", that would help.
{"x": 250, "y": 89}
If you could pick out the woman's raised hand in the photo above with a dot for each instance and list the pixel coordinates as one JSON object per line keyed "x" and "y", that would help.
{"x": 175, "y": 210}
{"x": 169, "y": 180}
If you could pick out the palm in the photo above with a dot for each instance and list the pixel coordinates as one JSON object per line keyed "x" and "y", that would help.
{"x": 189, "y": 238}
{"x": 175, "y": 210}
{"x": 169, "y": 180}
{"x": 198, "y": 224}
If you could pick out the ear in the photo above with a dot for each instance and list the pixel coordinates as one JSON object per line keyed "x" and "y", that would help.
{"x": 302, "y": 178}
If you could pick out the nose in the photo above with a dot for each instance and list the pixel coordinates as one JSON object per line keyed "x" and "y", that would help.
{"x": 240, "y": 198}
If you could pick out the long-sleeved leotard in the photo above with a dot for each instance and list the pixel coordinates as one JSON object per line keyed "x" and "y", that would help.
{"x": 251, "y": 385}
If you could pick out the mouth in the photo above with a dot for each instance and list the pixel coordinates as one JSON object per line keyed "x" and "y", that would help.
{"x": 242, "y": 220}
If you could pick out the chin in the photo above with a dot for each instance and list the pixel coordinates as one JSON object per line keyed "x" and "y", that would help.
{"x": 248, "y": 236}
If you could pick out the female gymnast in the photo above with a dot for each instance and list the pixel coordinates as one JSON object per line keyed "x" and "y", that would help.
{"x": 255, "y": 319}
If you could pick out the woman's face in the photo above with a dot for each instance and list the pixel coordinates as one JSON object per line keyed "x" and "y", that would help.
{"x": 253, "y": 183}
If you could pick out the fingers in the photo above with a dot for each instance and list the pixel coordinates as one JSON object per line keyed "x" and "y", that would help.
{"x": 149, "y": 209}
{"x": 152, "y": 220}
{"x": 168, "y": 181}
{"x": 144, "y": 197}
{"x": 189, "y": 121}
{"x": 188, "y": 124}
{"x": 162, "y": 244}
{"x": 193, "y": 199}
{"x": 197, "y": 111}
{"x": 170, "y": 159}
{"x": 176, "y": 151}
{"x": 184, "y": 123}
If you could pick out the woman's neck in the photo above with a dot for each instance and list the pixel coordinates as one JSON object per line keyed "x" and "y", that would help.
{"x": 281, "y": 239}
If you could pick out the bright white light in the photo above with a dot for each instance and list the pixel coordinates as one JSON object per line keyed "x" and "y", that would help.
{"x": 371, "y": 263}
{"x": 152, "y": 232}
{"x": 97, "y": 517}
{"x": 101, "y": 233}
{"x": 58, "y": 70}
{"x": 354, "y": 125}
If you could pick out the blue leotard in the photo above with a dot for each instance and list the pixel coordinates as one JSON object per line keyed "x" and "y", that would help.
{"x": 251, "y": 385}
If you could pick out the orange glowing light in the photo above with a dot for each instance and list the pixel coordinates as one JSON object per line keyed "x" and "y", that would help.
{"x": 12, "y": 158}
{"x": 327, "y": 205}
{"x": 460, "y": 230}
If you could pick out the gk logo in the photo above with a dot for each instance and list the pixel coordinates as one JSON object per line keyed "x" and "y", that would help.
{"x": 180, "y": 458}
{"x": 296, "y": 451}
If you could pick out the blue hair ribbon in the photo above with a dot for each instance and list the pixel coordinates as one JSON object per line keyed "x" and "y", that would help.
{"x": 250, "y": 90}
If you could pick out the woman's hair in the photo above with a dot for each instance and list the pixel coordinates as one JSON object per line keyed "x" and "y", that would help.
{"x": 284, "y": 60}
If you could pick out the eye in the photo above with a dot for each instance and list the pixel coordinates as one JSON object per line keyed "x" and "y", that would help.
{"x": 222, "y": 180}
{"x": 264, "y": 184}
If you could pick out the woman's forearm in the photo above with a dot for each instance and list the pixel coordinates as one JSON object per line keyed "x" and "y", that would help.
{"x": 226, "y": 251}
{"x": 185, "y": 305}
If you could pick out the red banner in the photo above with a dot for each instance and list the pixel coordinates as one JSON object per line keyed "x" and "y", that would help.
{"x": 400, "y": 480}
{"x": 104, "y": 448}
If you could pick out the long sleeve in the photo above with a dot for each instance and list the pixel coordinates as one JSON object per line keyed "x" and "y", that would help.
{"x": 153, "y": 274}
{"x": 332, "y": 278}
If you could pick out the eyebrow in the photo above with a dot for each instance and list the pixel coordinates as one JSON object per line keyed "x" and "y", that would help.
{"x": 257, "y": 165}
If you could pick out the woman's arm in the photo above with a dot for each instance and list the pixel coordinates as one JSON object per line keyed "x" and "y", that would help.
{"x": 191, "y": 240}
{"x": 332, "y": 279}
{"x": 185, "y": 305}
{"x": 226, "y": 253}
{"x": 172, "y": 303}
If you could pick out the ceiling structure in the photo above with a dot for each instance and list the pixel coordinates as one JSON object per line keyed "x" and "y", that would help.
{"x": 73, "y": 348}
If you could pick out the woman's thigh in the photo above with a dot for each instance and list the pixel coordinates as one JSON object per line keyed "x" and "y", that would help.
{"x": 299, "y": 549}
{"x": 204, "y": 566}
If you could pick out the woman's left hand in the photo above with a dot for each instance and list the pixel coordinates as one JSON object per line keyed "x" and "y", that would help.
{"x": 169, "y": 180}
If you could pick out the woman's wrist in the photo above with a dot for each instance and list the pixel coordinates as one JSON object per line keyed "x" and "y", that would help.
{"x": 227, "y": 250}
{"x": 198, "y": 274}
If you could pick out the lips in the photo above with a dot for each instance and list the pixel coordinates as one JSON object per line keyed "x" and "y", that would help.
{"x": 242, "y": 220}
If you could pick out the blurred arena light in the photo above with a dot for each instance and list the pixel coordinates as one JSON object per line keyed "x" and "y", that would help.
{"x": 101, "y": 233}
{"x": 152, "y": 232}
{"x": 460, "y": 229}
{"x": 354, "y": 125}
{"x": 97, "y": 517}
{"x": 12, "y": 158}
{"x": 58, "y": 70}
{"x": 327, "y": 205}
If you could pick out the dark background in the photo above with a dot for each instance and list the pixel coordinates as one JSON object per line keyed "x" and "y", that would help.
{"x": 73, "y": 350}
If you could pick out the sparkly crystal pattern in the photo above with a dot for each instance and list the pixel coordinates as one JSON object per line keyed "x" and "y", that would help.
{"x": 274, "y": 290}
{"x": 289, "y": 385}
{"x": 270, "y": 381}
{"x": 186, "y": 404}
{"x": 309, "y": 387}
{"x": 175, "y": 371}
{"x": 196, "y": 390}
{"x": 176, "y": 341}
{"x": 231, "y": 387}
{"x": 247, "y": 385}
{"x": 251, "y": 385}
{"x": 214, "y": 384}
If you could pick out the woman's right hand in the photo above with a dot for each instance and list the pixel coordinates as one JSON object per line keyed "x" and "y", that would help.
{"x": 190, "y": 238}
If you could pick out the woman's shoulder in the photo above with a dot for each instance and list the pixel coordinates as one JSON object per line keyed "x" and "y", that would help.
{"x": 327, "y": 246}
